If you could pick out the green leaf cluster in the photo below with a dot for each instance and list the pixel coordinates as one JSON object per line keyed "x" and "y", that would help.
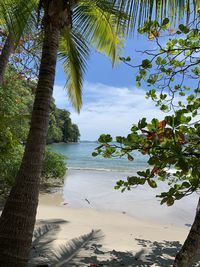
{"x": 173, "y": 143}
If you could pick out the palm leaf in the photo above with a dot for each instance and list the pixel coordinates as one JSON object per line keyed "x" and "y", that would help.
{"x": 74, "y": 52}
{"x": 102, "y": 25}
{"x": 142, "y": 10}
{"x": 66, "y": 253}
{"x": 15, "y": 15}
{"x": 98, "y": 25}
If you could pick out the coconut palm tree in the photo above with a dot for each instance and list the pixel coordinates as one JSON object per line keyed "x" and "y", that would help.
{"x": 14, "y": 14}
{"x": 69, "y": 27}
{"x": 98, "y": 24}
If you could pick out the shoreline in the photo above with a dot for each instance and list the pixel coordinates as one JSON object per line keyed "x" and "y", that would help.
{"x": 55, "y": 200}
{"x": 79, "y": 236}
{"x": 124, "y": 240}
{"x": 138, "y": 232}
{"x": 94, "y": 189}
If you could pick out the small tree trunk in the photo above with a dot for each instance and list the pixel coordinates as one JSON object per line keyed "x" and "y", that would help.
{"x": 18, "y": 217}
{"x": 198, "y": 206}
{"x": 190, "y": 248}
{"x": 5, "y": 55}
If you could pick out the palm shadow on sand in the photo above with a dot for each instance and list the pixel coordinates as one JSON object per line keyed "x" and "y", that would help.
{"x": 87, "y": 249}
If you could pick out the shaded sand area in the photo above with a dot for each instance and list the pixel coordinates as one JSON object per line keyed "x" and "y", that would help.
{"x": 72, "y": 232}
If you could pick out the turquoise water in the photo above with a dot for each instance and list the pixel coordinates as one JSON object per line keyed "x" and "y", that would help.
{"x": 79, "y": 156}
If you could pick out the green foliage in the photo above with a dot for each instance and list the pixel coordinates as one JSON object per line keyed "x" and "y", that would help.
{"x": 16, "y": 102}
{"x": 54, "y": 165}
{"x": 103, "y": 26}
{"x": 172, "y": 144}
{"x": 167, "y": 68}
{"x": 140, "y": 10}
{"x": 61, "y": 128}
{"x": 16, "y": 97}
{"x": 9, "y": 165}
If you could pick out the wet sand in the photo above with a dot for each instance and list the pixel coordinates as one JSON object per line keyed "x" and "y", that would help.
{"x": 95, "y": 189}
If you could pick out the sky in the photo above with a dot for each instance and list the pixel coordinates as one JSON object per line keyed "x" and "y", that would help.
{"x": 111, "y": 101}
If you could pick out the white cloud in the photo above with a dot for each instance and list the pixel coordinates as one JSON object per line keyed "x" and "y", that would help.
{"x": 108, "y": 109}
{"x": 60, "y": 96}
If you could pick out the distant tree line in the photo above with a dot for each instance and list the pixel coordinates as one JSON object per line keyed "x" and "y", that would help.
{"x": 61, "y": 128}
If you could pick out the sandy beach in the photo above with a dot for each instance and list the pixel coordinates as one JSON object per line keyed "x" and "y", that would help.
{"x": 72, "y": 232}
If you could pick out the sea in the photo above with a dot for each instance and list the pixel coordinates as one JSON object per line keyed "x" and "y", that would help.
{"x": 79, "y": 156}
{"x": 90, "y": 181}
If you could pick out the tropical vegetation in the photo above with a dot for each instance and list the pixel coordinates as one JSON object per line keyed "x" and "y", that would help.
{"x": 61, "y": 128}
{"x": 68, "y": 29}
{"x": 172, "y": 144}
{"x": 58, "y": 32}
{"x": 16, "y": 96}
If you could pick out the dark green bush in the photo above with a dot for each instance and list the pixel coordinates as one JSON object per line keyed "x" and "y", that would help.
{"x": 54, "y": 165}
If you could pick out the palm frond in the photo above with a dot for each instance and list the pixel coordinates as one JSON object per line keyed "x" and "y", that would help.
{"x": 142, "y": 10}
{"x": 102, "y": 25}
{"x": 66, "y": 253}
{"x": 16, "y": 14}
{"x": 74, "y": 52}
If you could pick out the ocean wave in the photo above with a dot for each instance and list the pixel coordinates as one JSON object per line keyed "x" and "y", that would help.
{"x": 101, "y": 169}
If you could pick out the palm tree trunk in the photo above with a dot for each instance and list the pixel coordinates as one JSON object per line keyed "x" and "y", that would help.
{"x": 191, "y": 246}
{"x": 18, "y": 217}
{"x": 5, "y": 55}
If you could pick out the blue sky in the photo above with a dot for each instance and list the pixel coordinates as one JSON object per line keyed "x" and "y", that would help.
{"x": 111, "y": 102}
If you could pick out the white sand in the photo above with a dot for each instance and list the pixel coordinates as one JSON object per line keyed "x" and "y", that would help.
{"x": 114, "y": 229}
{"x": 127, "y": 241}
{"x": 135, "y": 230}
{"x": 117, "y": 227}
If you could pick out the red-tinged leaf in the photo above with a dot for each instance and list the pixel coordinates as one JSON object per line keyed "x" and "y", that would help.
{"x": 156, "y": 170}
{"x": 146, "y": 150}
{"x": 161, "y": 137}
{"x": 171, "y": 31}
{"x": 156, "y": 33}
{"x": 151, "y": 136}
{"x": 168, "y": 132}
{"x": 181, "y": 138}
{"x": 162, "y": 124}
{"x": 130, "y": 157}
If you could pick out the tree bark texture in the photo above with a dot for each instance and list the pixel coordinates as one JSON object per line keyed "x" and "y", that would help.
{"x": 18, "y": 217}
{"x": 5, "y": 55}
{"x": 191, "y": 246}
